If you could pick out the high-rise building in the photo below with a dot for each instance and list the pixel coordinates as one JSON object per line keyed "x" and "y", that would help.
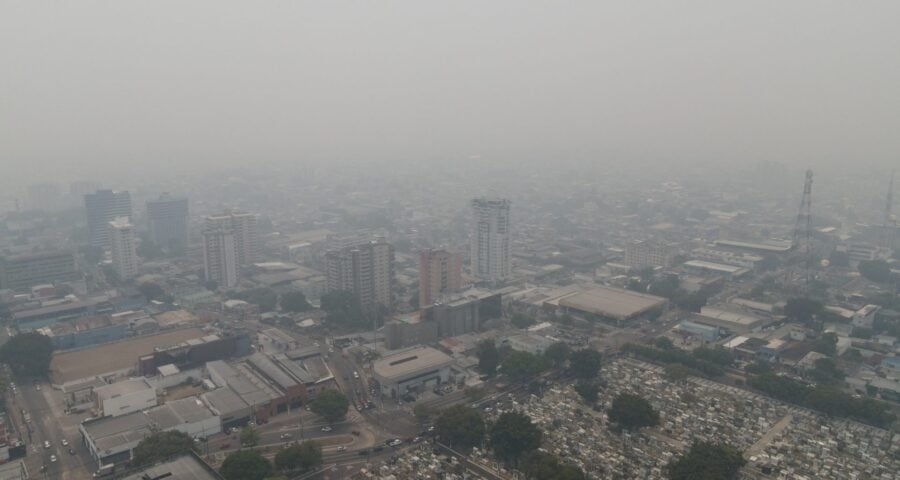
{"x": 23, "y": 271}
{"x": 490, "y": 252}
{"x": 123, "y": 248}
{"x": 366, "y": 270}
{"x": 102, "y": 207}
{"x": 649, "y": 253}
{"x": 167, "y": 221}
{"x": 220, "y": 262}
{"x": 440, "y": 272}
{"x": 244, "y": 229}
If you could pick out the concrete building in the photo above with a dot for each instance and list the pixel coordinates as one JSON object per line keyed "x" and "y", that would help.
{"x": 167, "y": 221}
{"x": 454, "y": 315}
{"x": 608, "y": 303}
{"x": 733, "y": 321}
{"x": 533, "y": 344}
{"x": 708, "y": 333}
{"x": 411, "y": 369}
{"x": 490, "y": 239}
{"x": 111, "y": 440}
{"x": 649, "y": 253}
{"x": 45, "y": 197}
{"x": 366, "y": 270}
{"x": 185, "y": 467}
{"x": 220, "y": 261}
{"x": 122, "y": 398}
{"x": 702, "y": 266}
{"x": 23, "y": 271}
{"x": 101, "y": 208}
{"x": 440, "y": 273}
{"x": 123, "y": 248}
{"x": 27, "y": 320}
{"x": 243, "y": 226}
{"x": 85, "y": 332}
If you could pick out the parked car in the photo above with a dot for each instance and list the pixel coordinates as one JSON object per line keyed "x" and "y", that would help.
{"x": 341, "y": 448}
{"x": 285, "y": 436}
{"x": 326, "y": 428}
{"x": 46, "y": 444}
{"x": 65, "y": 442}
{"x": 52, "y": 458}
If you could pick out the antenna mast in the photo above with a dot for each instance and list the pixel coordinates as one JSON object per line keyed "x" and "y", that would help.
{"x": 803, "y": 226}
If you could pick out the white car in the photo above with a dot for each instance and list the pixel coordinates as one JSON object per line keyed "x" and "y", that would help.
{"x": 355, "y": 375}
{"x": 326, "y": 428}
{"x": 342, "y": 448}
{"x": 52, "y": 458}
{"x": 285, "y": 436}
{"x": 46, "y": 444}
{"x": 65, "y": 442}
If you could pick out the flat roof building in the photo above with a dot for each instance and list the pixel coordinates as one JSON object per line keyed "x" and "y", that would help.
{"x": 185, "y": 467}
{"x": 737, "y": 322}
{"x": 718, "y": 268}
{"x": 411, "y": 369}
{"x": 18, "y": 272}
{"x": 613, "y": 303}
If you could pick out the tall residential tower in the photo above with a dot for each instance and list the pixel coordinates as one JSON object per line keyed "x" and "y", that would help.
{"x": 167, "y": 221}
{"x": 102, "y": 207}
{"x": 490, "y": 236}
{"x": 246, "y": 236}
{"x": 440, "y": 272}
{"x": 366, "y": 270}
{"x": 123, "y": 248}
{"x": 220, "y": 263}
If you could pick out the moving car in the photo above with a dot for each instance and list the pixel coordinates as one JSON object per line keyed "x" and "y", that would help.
{"x": 52, "y": 458}
{"x": 342, "y": 448}
{"x": 326, "y": 428}
{"x": 65, "y": 442}
{"x": 285, "y": 436}
{"x": 46, "y": 444}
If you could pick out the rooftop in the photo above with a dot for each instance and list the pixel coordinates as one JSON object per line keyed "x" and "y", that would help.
{"x": 611, "y": 302}
{"x": 406, "y": 362}
{"x": 716, "y": 267}
{"x": 187, "y": 467}
{"x": 124, "y": 387}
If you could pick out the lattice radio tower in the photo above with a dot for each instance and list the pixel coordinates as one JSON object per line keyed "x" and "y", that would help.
{"x": 803, "y": 227}
{"x": 890, "y": 226}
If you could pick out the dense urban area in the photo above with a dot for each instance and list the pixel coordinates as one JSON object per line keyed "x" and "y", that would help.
{"x": 269, "y": 324}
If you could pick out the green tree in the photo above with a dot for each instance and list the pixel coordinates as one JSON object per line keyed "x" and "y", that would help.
{"x": 514, "y": 435}
{"x": 28, "y": 355}
{"x": 303, "y": 457}
{"x": 826, "y": 371}
{"x": 246, "y": 465}
{"x": 249, "y": 436}
{"x": 265, "y": 298}
{"x": 331, "y": 405}
{"x": 875, "y": 270}
{"x": 539, "y": 465}
{"x": 343, "y": 309}
{"x": 826, "y": 344}
{"x": 151, "y": 291}
{"x": 557, "y": 354}
{"x": 663, "y": 343}
{"x": 488, "y": 357}
{"x": 160, "y": 446}
{"x": 295, "y": 302}
{"x": 677, "y": 372}
{"x": 520, "y": 365}
{"x": 423, "y": 413}
{"x": 839, "y": 259}
{"x": 802, "y": 310}
{"x": 717, "y": 355}
{"x": 707, "y": 461}
{"x": 460, "y": 427}
{"x": 520, "y": 320}
{"x": 585, "y": 363}
{"x": 587, "y": 390}
{"x": 630, "y": 412}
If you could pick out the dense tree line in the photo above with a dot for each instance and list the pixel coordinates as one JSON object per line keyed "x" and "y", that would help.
{"x": 630, "y": 412}
{"x": 460, "y": 427}
{"x": 825, "y": 399}
{"x": 675, "y": 355}
{"x": 160, "y": 446}
{"x": 706, "y": 461}
{"x": 332, "y": 405}
{"x": 544, "y": 466}
{"x": 27, "y": 355}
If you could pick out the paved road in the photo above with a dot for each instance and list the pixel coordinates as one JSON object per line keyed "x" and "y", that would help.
{"x": 45, "y": 426}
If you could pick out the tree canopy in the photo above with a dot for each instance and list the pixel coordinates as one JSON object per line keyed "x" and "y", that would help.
{"x": 295, "y": 302}
{"x": 246, "y": 465}
{"x": 460, "y": 427}
{"x": 151, "y": 291}
{"x": 488, "y": 357}
{"x": 520, "y": 365}
{"x": 707, "y": 461}
{"x": 558, "y": 353}
{"x": 826, "y": 344}
{"x": 539, "y": 465}
{"x": 303, "y": 457}
{"x": 587, "y": 390}
{"x": 331, "y": 405}
{"x": 27, "y": 354}
{"x": 249, "y": 436}
{"x": 160, "y": 446}
{"x": 630, "y": 412}
{"x": 343, "y": 309}
{"x": 514, "y": 435}
{"x": 520, "y": 320}
{"x": 585, "y": 363}
{"x": 265, "y": 298}
{"x": 875, "y": 270}
{"x": 802, "y": 310}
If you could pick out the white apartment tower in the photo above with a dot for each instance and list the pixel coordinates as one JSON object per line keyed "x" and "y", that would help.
{"x": 490, "y": 252}
{"x": 123, "y": 248}
{"x": 243, "y": 228}
{"x": 220, "y": 263}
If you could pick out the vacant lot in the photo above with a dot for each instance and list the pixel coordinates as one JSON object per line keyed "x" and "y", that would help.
{"x": 68, "y": 366}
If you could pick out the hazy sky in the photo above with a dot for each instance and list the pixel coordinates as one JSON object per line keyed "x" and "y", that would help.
{"x": 169, "y": 84}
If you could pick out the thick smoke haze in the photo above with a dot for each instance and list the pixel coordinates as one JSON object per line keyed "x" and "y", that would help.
{"x": 118, "y": 88}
